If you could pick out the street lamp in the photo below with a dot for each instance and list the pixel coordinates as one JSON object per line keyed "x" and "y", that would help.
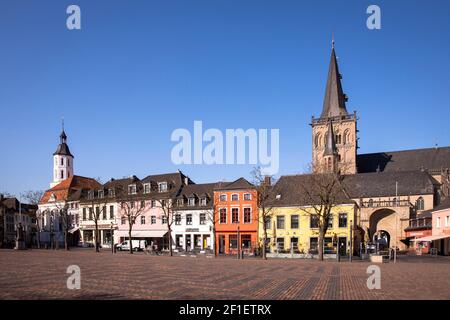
{"x": 351, "y": 241}
{"x": 112, "y": 238}
{"x": 238, "y": 242}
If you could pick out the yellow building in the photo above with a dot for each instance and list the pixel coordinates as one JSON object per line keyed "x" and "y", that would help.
{"x": 292, "y": 227}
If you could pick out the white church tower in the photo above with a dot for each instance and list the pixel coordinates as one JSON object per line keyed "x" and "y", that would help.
{"x": 62, "y": 161}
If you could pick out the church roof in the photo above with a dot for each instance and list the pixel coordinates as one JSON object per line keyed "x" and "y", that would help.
{"x": 334, "y": 100}
{"x": 432, "y": 159}
{"x": 63, "y": 148}
{"x": 65, "y": 189}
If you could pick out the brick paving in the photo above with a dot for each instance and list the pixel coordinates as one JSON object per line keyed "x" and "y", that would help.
{"x": 41, "y": 274}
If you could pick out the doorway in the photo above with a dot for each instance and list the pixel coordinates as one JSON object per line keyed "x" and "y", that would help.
{"x": 221, "y": 244}
{"x": 342, "y": 246}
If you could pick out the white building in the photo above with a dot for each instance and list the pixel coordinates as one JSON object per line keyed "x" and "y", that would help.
{"x": 192, "y": 230}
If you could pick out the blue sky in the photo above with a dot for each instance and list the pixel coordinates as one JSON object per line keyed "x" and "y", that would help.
{"x": 140, "y": 69}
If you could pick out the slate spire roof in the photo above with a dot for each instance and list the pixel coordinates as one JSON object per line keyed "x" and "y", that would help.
{"x": 63, "y": 148}
{"x": 334, "y": 101}
{"x": 330, "y": 145}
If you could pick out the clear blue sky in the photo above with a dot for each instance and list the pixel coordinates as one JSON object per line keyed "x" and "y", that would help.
{"x": 140, "y": 69}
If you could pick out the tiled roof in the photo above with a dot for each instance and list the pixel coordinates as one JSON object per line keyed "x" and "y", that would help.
{"x": 407, "y": 160}
{"x": 240, "y": 183}
{"x": 65, "y": 189}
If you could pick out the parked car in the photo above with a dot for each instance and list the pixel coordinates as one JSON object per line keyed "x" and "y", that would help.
{"x": 136, "y": 245}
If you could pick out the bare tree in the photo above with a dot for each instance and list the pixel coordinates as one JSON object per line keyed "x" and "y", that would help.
{"x": 131, "y": 210}
{"x": 321, "y": 191}
{"x": 213, "y": 217}
{"x": 263, "y": 184}
{"x": 33, "y": 196}
{"x": 168, "y": 207}
{"x": 97, "y": 208}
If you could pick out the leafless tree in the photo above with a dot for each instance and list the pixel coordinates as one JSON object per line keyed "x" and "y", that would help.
{"x": 33, "y": 196}
{"x": 131, "y": 210}
{"x": 168, "y": 207}
{"x": 263, "y": 184}
{"x": 97, "y": 208}
{"x": 320, "y": 193}
{"x": 213, "y": 217}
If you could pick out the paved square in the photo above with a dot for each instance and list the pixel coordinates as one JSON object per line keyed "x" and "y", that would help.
{"x": 41, "y": 274}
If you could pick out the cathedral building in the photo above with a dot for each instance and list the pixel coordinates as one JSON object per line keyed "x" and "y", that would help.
{"x": 390, "y": 188}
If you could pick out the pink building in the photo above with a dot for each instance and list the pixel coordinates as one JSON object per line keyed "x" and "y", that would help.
{"x": 441, "y": 228}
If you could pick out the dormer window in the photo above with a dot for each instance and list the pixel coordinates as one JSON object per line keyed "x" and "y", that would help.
{"x": 132, "y": 189}
{"x": 147, "y": 188}
{"x": 162, "y": 186}
{"x": 53, "y": 197}
{"x": 101, "y": 194}
{"x": 191, "y": 201}
{"x": 91, "y": 194}
{"x": 203, "y": 202}
{"x": 111, "y": 192}
{"x": 278, "y": 196}
{"x": 180, "y": 202}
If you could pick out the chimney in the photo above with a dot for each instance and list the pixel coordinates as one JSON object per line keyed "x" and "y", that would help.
{"x": 267, "y": 180}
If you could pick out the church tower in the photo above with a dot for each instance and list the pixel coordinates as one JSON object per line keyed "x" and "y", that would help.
{"x": 62, "y": 161}
{"x": 335, "y": 132}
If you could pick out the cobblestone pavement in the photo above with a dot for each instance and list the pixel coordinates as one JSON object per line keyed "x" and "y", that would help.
{"x": 41, "y": 274}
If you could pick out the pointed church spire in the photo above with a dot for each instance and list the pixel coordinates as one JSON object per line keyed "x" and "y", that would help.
{"x": 63, "y": 136}
{"x": 334, "y": 101}
{"x": 330, "y": 144}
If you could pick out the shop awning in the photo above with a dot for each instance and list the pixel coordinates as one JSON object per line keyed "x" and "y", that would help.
{"x": 431, "y": 238}
{"x": 141, "y": 233}
{"x": 74, "y": 229}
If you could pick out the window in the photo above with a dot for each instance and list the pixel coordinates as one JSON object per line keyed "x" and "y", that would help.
{"x": 370, "y": 204}
{"x": 97, "y": 213}
{"x": 294, "y": 221}
{"x": 330, "y": 221}
{"x": 234, "y": 215}
{"x": 314, "y": 221}
{"x": 162, "y": 186}
{"x": 447, "y": 221}
{"x": 91, "y": 213}
{"x": 84, "y": 213}
{"x": 317, "y": 140}
{"x": 68, "y": 162}
{"x": 420, "y": 203}
{"x": 247, "y": 215}
{"x": 123, "y": 220}
{"x": 164, "y": 220}
{"x": 234, "y": 197}
{"x": 111, "y": 192}
{"x": 104, "y": 213}
{"x": 62, "y": 161}
{"x": 147, "y": 188}
{"x": 153, "y": 203}
{"x": 246, "y": 240}
{"x": 313, "y": 244}
{"x": 111, "y": 212}
{"x": 142, "y": 203}
{"x": 223, "y": 215}
{"x": 233, "y": 241}
{"x": 223, "y": 197}
{"x": 438, "y": 222}
{"x": 247, "y": 196}
{"x": 202, "y": 218}
{"x": 132, "y": 189}
{"x": 189, "y": 219}
{"x": 294, "y": 243}
{"x": 100, "y": 194}
{"x": 268, "y": 221}
{"x": 132, "y": 204}
{"x": 280, "y": 222}
{"x": 280, "y": 243}
{"x": 142, "y": 219}
{"x": 342, "y": 220}
{"x": 203, "y": 202}
{"x": 180, "y": 202}
{"x": 153, "y": 219}
{"x": 178, "y": 219}
{"x": 91, "y": 194}
{"x": 192, "y": 201}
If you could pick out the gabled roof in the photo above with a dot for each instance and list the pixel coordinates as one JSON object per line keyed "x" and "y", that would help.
{"x": 334, "y": 100}
{"x": 13, "y": 205}
{"x": 240, "y": 183}
{"x": 200, "y": 190}
{"x": 64, "y": 190}
{"x": 406, "y": 160}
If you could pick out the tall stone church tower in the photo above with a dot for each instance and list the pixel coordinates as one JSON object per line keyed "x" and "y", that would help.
{"x": 335, "y": 133}
{"x": 62, "y": 161}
